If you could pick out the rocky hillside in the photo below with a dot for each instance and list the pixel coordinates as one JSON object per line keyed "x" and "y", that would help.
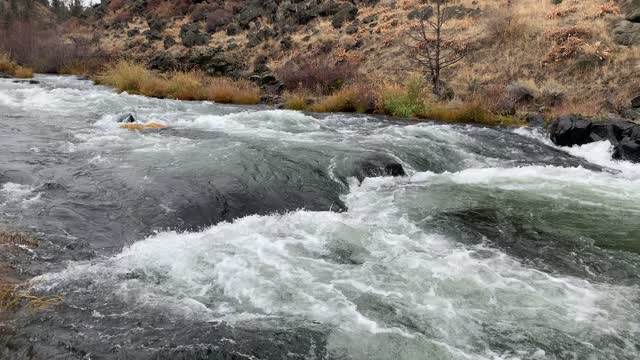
{"x": 550, "y": 55}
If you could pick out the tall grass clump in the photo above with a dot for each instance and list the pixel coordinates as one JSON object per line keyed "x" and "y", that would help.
{"x": 187, "y": 86}
{"x": 125, "y": 76}
{"x": 406, "y": 101}
{"x": 358, "y": 98}
{"x": 10, "y": 67}
{"x": 7, "y": 65}
{"x": 23, "y": 72}
{"x": 231, "y": 91}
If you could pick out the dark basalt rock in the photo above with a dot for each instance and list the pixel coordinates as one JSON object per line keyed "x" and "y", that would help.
{"x": 169, "y": 42}
{"x": 627, "y": 33}
{"x": 126, "y": 118}
{"x": 569, "y": 130}
{"x": 635, "y": 102}
{"x": 628, "y": 149}
{"x": 378, "y": 167}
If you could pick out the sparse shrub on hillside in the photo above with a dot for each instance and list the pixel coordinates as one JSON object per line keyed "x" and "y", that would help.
{"x": 168, "y": 8}
{"x": 321, "y": 74}
{"x": 503, "y": 25}
{"x": 218, "y": 19}
{"x": 46, "y": 50}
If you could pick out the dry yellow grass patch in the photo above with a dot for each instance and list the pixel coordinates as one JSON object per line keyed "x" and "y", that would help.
{"x": 9, "y": 66}
{"x": 23, "y": 72}
{"x": 229, "y": 91}
{"x": 194, "y": 85}
{"x": 14, "y": 295}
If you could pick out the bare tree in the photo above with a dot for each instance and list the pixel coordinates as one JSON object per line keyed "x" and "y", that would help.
{"x": 432, "y": 46}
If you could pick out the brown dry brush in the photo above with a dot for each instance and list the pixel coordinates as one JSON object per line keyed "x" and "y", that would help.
{"x": 14, "y": 294}
{"x": 45, "y": 49}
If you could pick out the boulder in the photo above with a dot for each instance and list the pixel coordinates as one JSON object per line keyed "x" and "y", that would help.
{"x": 569, "y": 130}
{"x": 631, "y": 9}
{"x": 614, "y": 131}
{"x": 169, "y": 42}
{"x": 627, "y": 33}
{"x": 628, "y": 149}
{"x": 635, "y": 102}
{"x": 191, "y": 35}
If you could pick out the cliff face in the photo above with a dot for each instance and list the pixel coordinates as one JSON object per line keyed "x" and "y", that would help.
{"x": 578, "y": 55}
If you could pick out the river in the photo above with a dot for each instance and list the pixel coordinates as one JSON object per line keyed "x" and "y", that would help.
{"x": 245, "y": 233}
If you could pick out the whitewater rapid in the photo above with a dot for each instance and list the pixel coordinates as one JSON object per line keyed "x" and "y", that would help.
{"x": 496, "y": 245}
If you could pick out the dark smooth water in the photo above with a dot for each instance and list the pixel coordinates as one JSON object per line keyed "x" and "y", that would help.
{"x": 244, "y": 233}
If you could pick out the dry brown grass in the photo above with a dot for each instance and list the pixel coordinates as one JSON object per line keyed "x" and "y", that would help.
{"x": 23, "y": 72}
{"x": 134, "y": 78}
{"x": 13, "y": 296}
{"x": 9, "y": 238}
{"x": 9, "y": 66}
{"x": 230, "y": 91}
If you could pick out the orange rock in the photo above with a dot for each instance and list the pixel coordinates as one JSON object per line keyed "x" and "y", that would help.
{"x": 137, "y": 127}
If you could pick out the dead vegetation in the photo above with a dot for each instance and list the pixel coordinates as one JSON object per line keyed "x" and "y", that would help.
{"x": 15, "y": 294}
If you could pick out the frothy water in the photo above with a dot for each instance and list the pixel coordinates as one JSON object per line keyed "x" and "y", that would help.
{"x": 235, "y": 228}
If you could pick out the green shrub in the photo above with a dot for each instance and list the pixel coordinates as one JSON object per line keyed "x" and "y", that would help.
{"x": 404, "y": 102}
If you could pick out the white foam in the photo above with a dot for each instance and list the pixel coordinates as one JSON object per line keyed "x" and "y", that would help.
{"x": 599, "y": 153}
{"x": 287, "y": 266}
{"x": 18, "y": 193}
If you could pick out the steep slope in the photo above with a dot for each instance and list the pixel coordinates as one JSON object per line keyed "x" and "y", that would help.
{"x": 574, "y": 56}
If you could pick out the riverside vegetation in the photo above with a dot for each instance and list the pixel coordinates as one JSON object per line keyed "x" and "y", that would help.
{"x": 503, "y": 59}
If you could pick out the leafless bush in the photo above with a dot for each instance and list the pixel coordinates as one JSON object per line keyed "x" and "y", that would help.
{"x": 321, "y": 74}
{"x": 44, "y": 49}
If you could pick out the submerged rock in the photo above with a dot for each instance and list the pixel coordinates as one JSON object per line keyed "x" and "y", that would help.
{"x": 126, "y": 118}
{"x": 377, "y": 167}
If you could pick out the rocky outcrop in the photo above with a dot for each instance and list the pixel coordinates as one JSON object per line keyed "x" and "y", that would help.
{"x": 572, "y": 130}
